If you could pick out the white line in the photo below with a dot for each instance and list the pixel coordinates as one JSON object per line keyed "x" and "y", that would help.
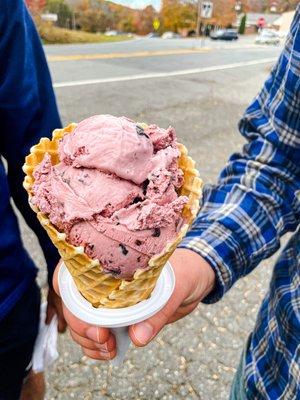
{"x": 164, "y": 74}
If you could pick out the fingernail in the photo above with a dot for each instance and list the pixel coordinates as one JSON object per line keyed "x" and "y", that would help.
{"x": 107, "y": 356}
{"x": 102, "y": 347}
{"x": 143, "y": 332}
{"x": 93, "y": 333}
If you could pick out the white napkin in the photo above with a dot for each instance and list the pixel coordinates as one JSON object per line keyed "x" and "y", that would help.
{"x": 45, "y": 349}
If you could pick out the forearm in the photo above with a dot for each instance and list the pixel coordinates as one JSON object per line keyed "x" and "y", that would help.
{"x": 257, "y": 197}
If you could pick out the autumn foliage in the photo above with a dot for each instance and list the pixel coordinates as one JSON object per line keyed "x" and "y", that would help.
{"x": 178, "y": 14}
{"x": 36, "y": 5}
{"x": 174, "y": 15}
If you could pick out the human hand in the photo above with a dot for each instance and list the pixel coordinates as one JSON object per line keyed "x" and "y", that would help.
{"x": 96, "y": 342}
{"x": 195, "y": 279}
{"x": 54, "y": 306}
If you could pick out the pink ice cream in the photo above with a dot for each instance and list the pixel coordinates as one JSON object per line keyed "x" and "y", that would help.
{"x": 114, "y": 191}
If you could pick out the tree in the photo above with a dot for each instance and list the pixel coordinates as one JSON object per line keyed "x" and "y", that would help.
{"x": 287, "y": 5}
{"x": 62, "y": 10}
{"x": 145, "y": 20}
{"x": 178, "y": 14}
{"x": 242, "y": 26}
{"x": 92, "y": 21}
{"x": 36, "y": 6}
{"x": 255, "y": 5}
{"x": 93, "y": 16}
{"x": 224, "y": 12}
{"x": 126, "y": 24}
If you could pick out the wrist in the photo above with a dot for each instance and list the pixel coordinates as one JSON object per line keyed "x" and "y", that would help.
{"x": 194, "y": 272}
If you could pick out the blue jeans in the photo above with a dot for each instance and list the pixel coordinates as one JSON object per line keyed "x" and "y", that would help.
{"x": 238, "y": 391}
{"x": 18, "y": 331}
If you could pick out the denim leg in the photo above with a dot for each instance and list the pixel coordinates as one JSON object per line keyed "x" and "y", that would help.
{"x": 237, "y": 387}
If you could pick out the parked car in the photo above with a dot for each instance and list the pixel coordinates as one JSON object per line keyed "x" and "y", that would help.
{"x": 268, "y": 36}
{"x": 224, "y": 34}
{"x": 111, "y": 33}
{"x": 152, "y": 35}
{"x": 170, "y": 35}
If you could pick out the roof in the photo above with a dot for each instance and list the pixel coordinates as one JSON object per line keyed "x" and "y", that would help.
{"x": 252, "y": 18}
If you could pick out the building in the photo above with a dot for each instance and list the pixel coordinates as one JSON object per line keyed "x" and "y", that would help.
{"x": 256, "y": 20}
{"x": 284, "y": 22}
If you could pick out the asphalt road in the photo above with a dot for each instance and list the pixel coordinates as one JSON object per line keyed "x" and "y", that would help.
{"x": 196, "y": 357}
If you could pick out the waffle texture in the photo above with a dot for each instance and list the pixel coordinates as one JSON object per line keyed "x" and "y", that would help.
{"x": 99, "y": 288}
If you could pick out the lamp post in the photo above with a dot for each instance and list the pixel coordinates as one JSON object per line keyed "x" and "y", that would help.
{"x": 273, "y": 6}
{"x": 238, "y": 6}
{"x": 238, "y": 9}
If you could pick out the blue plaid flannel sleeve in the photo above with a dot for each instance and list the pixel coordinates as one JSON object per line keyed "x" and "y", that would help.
{"x": 257, "y": 197}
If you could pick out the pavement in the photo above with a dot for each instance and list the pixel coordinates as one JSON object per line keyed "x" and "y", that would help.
{"x": 194, "y": 358}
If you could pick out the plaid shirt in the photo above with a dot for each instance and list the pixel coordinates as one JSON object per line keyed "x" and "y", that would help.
{"x": 256, "y": 201}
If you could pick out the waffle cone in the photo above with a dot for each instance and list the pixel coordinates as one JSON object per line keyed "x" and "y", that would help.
{"x": 99, "y": 288}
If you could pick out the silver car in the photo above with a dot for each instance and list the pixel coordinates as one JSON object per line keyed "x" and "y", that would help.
{"x": 268, "y": 36}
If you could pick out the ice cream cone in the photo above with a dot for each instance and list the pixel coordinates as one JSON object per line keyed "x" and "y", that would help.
{"x": 98, "y": 287}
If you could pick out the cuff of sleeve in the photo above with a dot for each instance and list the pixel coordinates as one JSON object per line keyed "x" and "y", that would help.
{"x": 218, "y": 246}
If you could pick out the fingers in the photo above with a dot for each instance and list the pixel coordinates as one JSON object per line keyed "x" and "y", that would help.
{"x": 106, "y": 351}
{"x": 108, "y": 346}
{"x": 99, "y": 355}
{"x": 96, "y": 342}
{"x": 94, "y": 333}
{"x": 142, "y": 333}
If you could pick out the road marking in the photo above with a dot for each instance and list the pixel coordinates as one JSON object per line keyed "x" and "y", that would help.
{"x": 103, "y": 56}
{"x": 164, "y": 74}
{"x": 246, "y": 46}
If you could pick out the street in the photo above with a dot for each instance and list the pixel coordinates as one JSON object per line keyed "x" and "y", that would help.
{"x": 201, "y": 90}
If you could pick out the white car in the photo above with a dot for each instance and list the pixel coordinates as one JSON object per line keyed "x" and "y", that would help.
{"x": 111, "y": 33}
{"x": 268, "y": 36}
{"x": 170, "y": 35}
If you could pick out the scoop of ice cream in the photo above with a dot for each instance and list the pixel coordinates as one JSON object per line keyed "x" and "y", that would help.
{"x": 114, "y": 191}
{"x": 114, "y": 145}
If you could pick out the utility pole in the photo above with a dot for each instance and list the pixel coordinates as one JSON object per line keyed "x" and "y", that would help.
{"x": 205, "y": 11}
{"x": 199, "y": 17}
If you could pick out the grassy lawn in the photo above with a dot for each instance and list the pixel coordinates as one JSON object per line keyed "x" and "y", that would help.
{"x": 52, "y": 34}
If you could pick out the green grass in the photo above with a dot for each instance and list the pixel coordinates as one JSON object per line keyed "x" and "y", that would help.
{"x": 52, "y": 34}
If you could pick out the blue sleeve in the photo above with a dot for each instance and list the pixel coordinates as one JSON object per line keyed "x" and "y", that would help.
{"x": 257, "y": 198}
{"x": 28, "y": 108}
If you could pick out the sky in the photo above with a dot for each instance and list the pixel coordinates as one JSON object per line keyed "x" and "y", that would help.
{"x": 139, "y": 3}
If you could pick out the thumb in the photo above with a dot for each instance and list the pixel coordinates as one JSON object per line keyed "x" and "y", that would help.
{"x": 143, "y": 332}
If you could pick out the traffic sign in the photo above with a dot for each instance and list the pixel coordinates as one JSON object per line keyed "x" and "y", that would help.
{"x": 261, "y": 22}
{"x": 207, "y": 9}
{"x": 156, "y": 24}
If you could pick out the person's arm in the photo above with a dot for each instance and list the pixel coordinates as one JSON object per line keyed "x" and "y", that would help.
{"x": 28, "y": 109}
{"x": 256, "y": 200}
{"x": 28, "y": 112}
